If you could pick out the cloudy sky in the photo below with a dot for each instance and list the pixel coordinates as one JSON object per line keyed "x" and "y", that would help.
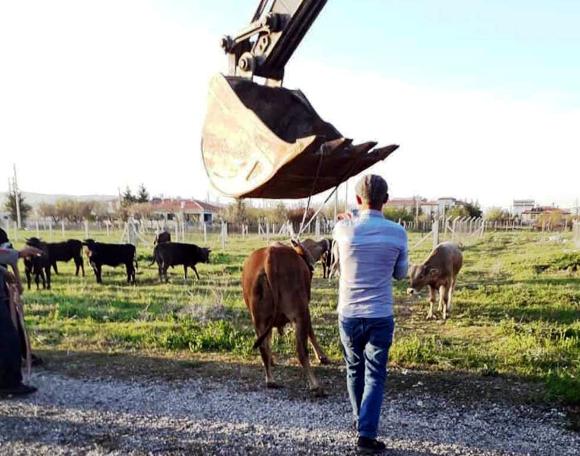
{"x": 482, "y": 96}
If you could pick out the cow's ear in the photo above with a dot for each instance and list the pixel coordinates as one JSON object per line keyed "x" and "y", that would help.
{"x": 433, "y": 272}
{"x": 294, "y": 242}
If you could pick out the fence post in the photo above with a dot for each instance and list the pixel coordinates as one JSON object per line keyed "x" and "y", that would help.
{"x": 435, "y": 232}
{"x": 86, "y": 229}
{"x": 205, "y": 232}
{"x": 223, "y": 235}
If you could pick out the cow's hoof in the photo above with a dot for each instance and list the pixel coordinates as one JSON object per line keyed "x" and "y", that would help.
{"x": 318, "y": 392}
{"x": 273, "y": 385}
{"x": 324, "y": 361}
{"x": 430, "y": 317}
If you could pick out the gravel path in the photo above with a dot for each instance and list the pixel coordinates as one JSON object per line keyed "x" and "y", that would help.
{"x": 72, "y": 416}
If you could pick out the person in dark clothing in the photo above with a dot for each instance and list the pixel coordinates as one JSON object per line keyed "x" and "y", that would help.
{"x": 10, "y": 347}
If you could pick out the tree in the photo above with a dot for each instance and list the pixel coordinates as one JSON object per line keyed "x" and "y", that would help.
{"x": 295, "y": 216}
{"x": 496, "y": 214}
{"x": 142, "y": 194}
{"x": 395, "y": 214}
{"x": 473, "y": 209}
{"x": 127, "y": 198}
{"x": 10, "y": 206}
{"x": 457, "y": 211}
{"x": 48, "y": 210}
{"x": 280, "y": 213}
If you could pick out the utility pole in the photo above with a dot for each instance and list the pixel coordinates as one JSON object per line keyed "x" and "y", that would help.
{"x": 416, "y": 210}
{"x": 17, "y": 200}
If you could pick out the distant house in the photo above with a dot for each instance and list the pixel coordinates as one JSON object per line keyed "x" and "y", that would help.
{"x": 531, "y": 216}
{"x": 446, "y": 203}
{"x": 411, "y": 204}
{"x": 190, "y": 209}
{"x": 520, "y": 206}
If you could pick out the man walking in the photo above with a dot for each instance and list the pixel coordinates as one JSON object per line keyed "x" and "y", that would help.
{"x": 372, "y": 251}
{"x": 10, "y": 351}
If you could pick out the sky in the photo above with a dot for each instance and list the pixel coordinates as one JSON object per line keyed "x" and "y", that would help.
{"x": 482, "y": 96}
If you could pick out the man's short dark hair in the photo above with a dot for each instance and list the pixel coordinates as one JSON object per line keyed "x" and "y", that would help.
{"x": 372, "y": 190}
{"x": 3, "y": 237}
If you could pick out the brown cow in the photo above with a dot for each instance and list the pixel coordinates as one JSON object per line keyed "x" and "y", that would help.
{"x": 439, "y": 271}
{"x": 320, "y": 251}
{"x": 276, "y": 286}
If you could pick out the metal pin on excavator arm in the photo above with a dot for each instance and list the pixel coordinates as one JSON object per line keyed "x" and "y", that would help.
{"x": 267, "y": 141}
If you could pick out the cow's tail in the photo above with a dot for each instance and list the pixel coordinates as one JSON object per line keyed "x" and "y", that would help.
{"x": 154, "y": 255}
{"x": 270, "y": 274}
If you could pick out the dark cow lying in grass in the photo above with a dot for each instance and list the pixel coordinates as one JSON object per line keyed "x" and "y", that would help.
{"x": 38, "y": 266}
{"x": 276, "y": 284}
{"x": 100, "y": 254}
{"x": 168, "y": 254}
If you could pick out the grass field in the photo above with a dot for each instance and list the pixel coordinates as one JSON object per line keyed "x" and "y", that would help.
{"x": 516, "y": 314}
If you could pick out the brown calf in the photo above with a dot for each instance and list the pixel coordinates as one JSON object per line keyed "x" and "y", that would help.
{"x": 439, "y": 272}
{"x": 276, "y": 286}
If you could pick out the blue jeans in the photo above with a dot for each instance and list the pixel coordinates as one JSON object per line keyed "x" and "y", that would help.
{"x": 366, "y": 343}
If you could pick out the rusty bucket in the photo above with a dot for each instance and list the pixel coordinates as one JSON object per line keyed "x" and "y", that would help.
{"x": 269, "y": 142}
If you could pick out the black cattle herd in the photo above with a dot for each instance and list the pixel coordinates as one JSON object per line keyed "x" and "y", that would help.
{"x": 165, "y": 253}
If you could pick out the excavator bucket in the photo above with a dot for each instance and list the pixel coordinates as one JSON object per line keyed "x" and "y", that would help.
{"x": 268, "y": 142}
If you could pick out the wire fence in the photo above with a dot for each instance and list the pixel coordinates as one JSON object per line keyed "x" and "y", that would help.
{"x": 142, "y": 232}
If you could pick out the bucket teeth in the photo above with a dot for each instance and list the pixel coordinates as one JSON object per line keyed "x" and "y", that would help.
{"x": 334, "y": 147}
{"x": 373, "y": 157}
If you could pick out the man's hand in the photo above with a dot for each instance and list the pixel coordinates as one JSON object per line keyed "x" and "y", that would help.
{"x": 10, "y": 277}
{"x": 345, "y": 216}
{"x": 28, "y": 252}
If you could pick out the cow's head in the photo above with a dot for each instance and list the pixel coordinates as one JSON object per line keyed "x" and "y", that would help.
{"x": 419, "y": 276}
{"x": 205, "y": 254}
{"x": 34, "y": 242}
{"x": 89, "y": 246}
{"x": 304, "y": 254}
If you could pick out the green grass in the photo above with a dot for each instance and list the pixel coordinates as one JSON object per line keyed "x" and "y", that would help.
{"x": 516, "y": 313}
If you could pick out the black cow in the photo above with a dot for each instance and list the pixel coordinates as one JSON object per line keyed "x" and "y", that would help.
{"x": 101, "y": 253}
{"x": 70, "y": 249}
{"x": 39, "y": 266}
{"x": 175, "y": 253}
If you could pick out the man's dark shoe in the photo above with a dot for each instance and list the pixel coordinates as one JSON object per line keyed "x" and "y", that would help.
{"x": 365, "y": 445}
{"x": 36, "y": 360}
{"x": 19, "y": 390}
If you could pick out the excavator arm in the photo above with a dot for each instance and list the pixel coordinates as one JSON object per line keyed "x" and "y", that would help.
{"x": 265, "y": 46}
{"x": 267, "y": 141}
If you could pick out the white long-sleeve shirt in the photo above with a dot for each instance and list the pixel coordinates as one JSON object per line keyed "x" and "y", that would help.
{"x": 372, "y": 251}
